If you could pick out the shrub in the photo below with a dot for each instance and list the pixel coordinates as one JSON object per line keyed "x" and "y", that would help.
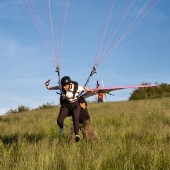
{"x": 12, "y": 111}
{"x": 46, "y": 106}
{"x": 161, "y": 90}
{"x": 22, "y": 108}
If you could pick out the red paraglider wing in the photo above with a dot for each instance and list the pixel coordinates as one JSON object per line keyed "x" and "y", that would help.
{"x": 109, "y": 89}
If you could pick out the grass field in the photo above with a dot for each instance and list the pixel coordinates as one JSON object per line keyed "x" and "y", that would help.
{"x": 134, "y": 135}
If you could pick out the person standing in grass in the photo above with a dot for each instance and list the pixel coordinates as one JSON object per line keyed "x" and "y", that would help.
{"x": 84, "y": 123}
{"x": 70, "y": 92}
{"x": 100, "y": 94}
{"x": 100, "y": 97}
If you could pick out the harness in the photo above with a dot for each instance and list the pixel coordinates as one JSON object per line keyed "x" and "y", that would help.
{"x": 64, "y": 100}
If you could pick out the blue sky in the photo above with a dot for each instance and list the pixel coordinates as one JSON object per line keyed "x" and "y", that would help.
{"x": 26, "y": 64}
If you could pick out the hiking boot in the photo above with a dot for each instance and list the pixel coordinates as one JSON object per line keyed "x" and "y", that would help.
{"x": 77, "y": 138}
{"x": 61, "y": 131}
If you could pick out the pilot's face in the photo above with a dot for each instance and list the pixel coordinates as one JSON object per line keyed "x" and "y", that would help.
{"x": 66, "y": 87}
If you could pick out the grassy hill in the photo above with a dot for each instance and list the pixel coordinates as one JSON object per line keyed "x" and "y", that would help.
{"x": 133, "y": 135}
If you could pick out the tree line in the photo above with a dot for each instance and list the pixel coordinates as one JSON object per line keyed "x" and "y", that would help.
{"x": 159, "y": 91}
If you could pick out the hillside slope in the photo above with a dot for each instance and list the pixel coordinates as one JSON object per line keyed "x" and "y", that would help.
{"x": 133, "y": 135}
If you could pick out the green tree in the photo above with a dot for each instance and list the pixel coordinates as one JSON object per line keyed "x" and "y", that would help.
{"x": 161, "y": 90}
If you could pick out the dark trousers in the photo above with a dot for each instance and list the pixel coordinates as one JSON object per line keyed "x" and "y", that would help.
{"x": 65, "y": 110}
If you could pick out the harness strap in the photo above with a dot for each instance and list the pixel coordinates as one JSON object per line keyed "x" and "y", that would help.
{"x": 75, "y": 88}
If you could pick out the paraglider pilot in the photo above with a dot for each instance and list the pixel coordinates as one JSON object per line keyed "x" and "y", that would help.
{"x": 70, "y": 92}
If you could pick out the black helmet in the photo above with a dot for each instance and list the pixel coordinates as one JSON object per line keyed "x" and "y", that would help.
{"x": 65, "y": 80}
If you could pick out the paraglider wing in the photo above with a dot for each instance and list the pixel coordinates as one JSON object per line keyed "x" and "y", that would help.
{"x": 89, "y": 94}
{"x": 109, "y": 89}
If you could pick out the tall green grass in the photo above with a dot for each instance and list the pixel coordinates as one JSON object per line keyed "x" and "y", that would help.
{"x": 134, "y": 135}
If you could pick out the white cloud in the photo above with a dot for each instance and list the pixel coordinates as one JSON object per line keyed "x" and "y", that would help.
{"x": 12, "y": 48}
